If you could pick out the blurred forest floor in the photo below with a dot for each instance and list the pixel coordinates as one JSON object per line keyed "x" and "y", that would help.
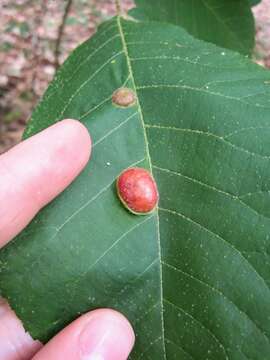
{"x": 29, "y": 33}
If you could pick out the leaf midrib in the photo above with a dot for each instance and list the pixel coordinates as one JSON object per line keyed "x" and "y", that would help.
{"x": 126, "y": 53}
{"x": 144, "y": 126}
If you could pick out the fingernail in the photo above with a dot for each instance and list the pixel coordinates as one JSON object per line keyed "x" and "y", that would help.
{"x": 107, "y": 335}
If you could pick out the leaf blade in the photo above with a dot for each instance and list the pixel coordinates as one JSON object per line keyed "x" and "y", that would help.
{"x": 228, "y": 24}
{"x": 210, "y": 240}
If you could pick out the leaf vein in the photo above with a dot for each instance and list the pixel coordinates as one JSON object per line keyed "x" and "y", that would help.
{"x": 226, "y": 26}
{"x": 104, "y": 101}
{"x": 114, "y": 129}
{"x": 124, "y": 288}
{"x": 200, "y": 132}
{"x": 125, "y": 49}
{"x": 231, "y": 246}
{"x": 232, "y": 196}
{"x": 218, "y": 292}
{"x": 200, "y": 323}
{"x": 177, "y": 58}
{"x": 147, "y": 312}
{"x": 179, "y": 347}
{"x": 202, "y": 90}
{"x": 87, "y": 81}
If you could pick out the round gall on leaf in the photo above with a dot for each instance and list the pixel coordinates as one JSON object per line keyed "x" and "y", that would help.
{"x": 124, "y": 97}
{"x": 137, "y": 190}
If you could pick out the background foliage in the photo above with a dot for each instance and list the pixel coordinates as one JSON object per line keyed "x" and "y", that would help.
{"x": 229, "y": 24}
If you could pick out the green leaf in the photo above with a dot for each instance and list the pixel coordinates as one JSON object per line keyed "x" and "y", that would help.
{"x": 254, "y": 2}
{"x": 227, "y": 23}
{"x": 193, "y": 277}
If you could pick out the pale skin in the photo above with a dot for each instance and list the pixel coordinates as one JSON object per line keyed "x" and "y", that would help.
{"x": 32, "y": 174}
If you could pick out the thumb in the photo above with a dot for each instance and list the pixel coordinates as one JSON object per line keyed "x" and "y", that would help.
{"x": 99, "y": 335}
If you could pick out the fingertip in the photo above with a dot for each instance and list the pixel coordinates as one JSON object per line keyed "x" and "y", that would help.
{"x": 67, "y": 148}
{"x": 71, "y": 142}
{"x": 107, "y": 320}
{"x": 15, "y": 343}
{"x": 117, "y": 317}
{"x": 79, "y": 135}
{"x": 99, "y": 334}
{"x": 39, "y": 169}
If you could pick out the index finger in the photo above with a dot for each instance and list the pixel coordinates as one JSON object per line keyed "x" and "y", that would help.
{"x": 37, "y": 170}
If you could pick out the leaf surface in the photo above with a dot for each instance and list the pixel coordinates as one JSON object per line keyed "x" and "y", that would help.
{"x": 254, "y": 2}
{"x": 193, "y": 277}
{"x": 227, "y": 23}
